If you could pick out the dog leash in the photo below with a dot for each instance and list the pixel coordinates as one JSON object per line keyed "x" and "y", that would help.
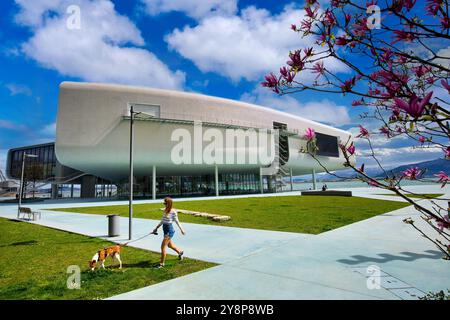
{"x": 146, "y": 235}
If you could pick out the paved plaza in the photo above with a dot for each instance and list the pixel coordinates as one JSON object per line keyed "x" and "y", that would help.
{"x": 259, "y": 264}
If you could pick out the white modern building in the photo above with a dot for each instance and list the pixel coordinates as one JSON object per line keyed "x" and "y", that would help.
{"x": 184, "y": 143}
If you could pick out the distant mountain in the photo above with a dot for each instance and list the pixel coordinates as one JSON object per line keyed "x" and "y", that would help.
{"x": 429, "y": 167}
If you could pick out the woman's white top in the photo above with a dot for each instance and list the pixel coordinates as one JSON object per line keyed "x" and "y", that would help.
{"x": 169, "y": 218}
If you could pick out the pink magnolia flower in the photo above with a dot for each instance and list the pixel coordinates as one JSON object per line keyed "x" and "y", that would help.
{"x": 306, "y": 25}
{"x": 351, "y": 150}
{"x": 310, "y": 134}
{"x": 402, "y": 35}
{"x": 414, "y": 108}
{"x": 421, "y": 70}
{"x": 356, "y": 103}
{"x": 412, "y": 173}
{"x": 318, "y": 68}
{"x": 271, "y": 82}
{"x": 348, "y": 18}
{"x": 445, "y": 84}
{"x": 293, "y": 27}
{"x": 329, "y": 18}
{"x": 363, "y": 132}
{"x": 443, "y": 178}
{"x": 445, "y": 22}
{"x": 422, "y": 139}
{"x": 296, "y": 60}
{"x": 433, "y": 6}
{"x": 310, "y": 13}
{"x": 335, "y": 3}
{"x": 398, "y": 5}
{"x": 447, "y": 153}
{"x": 385, "y": 130}
{"x": 341, "y": 41}
{"x": 308, "y": 52}
{"x": 287, "y": 75}
{"x": 443, "y": 223}
{"x": 360, "y": 28}
{"x": 350, "y": 83}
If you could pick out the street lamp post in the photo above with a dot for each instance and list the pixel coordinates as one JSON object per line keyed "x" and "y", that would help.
{"x": 21, "y": 180}
{"x": 131, "y": 178}
{"x": 130, "y": 205}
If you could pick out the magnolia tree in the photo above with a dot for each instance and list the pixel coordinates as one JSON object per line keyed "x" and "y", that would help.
{"x": 397, "y": 58}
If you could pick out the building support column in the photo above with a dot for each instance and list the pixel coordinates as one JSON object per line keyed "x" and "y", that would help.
{"x": 154, "y": 183}
{"x": 54, "y": 191}
{"x": 261, "y": 182}
{"x": 71, "y": 191}
{"x": 88, "y": 187}
{"x": 314, "y": 179}
{"x": 216, "y": 174}
{"x": 291, "y": 179}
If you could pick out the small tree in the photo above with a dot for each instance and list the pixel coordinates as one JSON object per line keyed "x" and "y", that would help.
{"x": 34, "y": 172}
{"x": 397, "y": 54}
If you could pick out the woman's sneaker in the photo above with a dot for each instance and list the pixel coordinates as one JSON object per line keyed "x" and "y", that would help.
{"x": 159, "y": 266}
{"x": 180, "y": 255}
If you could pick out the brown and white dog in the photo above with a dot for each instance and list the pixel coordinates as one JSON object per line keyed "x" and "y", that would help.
{"x": 100, "y": 256}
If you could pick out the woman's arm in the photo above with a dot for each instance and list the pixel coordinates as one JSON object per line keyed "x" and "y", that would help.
{"x": 157, "y": 227}
{"x": 178, "y": 223}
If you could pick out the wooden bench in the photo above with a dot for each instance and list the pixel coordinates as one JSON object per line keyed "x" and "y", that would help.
{"x": 327, "y": 193}
{"x": 28, "y": 212}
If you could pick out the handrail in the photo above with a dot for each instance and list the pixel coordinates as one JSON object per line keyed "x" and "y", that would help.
{"x": 213, "y": 121}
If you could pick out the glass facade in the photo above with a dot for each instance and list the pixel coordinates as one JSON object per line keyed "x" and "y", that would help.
{"x": 44, "y": 164}
{"x": 191, "y": 186}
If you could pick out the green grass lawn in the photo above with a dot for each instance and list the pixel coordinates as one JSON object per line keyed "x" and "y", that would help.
{"x": 417, "y": 196}
{"x": 304, "y": 214}
{"x": 34, "y": 261}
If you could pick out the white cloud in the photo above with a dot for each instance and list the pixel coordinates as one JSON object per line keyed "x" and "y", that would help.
{"x": 16, "y": 89}
{"x": 322, "y": 111}
{"x": 105, "y": 48}
{"x": 49, "y": 130}
{"x": 245, "y": 46}
{"x": 6, "y": 124}
{"x": 390, "y": 157}
{"x": 196, "y": 9}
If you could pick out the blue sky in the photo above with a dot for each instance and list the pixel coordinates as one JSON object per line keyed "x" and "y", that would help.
{"x": 216, "y": 47}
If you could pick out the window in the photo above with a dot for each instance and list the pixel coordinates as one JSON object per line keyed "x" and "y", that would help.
{"x": 148, "y": 109}
{"x": 328, "y": 145}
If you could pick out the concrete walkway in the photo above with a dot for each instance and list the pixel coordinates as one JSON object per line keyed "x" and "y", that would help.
{"x": 257, "y": 264}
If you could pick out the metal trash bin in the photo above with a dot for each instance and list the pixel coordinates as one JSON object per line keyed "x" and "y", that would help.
{"x": 113, "y": 225}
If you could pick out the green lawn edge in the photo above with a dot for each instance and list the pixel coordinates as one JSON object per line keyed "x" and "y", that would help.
{"x": 35, "y": 261}
{"x": 300, "y": 214}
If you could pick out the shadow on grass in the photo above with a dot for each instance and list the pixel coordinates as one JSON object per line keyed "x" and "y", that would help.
{"x": 23, "y": 243}
{"x": 140, "y": 264}
{"x": 387, "y": 257}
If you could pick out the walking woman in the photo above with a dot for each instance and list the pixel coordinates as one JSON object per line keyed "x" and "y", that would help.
{"x": 169, "y": 216}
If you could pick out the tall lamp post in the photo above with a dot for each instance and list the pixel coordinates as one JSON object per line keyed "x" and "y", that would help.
{"x": 131, "y": 178}
{"x": 25, "y": 155}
